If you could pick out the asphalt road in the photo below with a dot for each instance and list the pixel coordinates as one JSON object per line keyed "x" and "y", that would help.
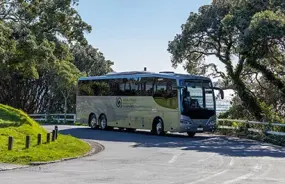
{"x": 132, "y": 158}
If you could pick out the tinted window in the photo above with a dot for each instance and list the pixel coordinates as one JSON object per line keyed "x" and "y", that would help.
{"x": 146, "y": 86}
{"x": 84, "y": 88}
{"x": 128, "y": 87}
{"x": 165, "y": 93}
{"x": 93, "y": 88}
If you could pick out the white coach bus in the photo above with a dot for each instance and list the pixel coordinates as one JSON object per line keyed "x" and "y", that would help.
{"x": 160, "y": 102}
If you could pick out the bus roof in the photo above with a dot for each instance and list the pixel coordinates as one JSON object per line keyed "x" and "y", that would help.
{"x": 170, "y": 75}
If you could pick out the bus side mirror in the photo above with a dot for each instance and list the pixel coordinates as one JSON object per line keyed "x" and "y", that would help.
{"x": 221, "y": 92}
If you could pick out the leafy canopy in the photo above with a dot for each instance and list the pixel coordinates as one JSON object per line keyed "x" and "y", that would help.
{"x": 245, "y": 35}
{"x": 37, "y": 62}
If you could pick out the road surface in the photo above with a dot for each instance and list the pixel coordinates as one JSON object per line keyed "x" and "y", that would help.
{"x": 132, "y": 158}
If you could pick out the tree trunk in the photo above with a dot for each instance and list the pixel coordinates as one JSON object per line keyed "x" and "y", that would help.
{"x": 247, "y": 98}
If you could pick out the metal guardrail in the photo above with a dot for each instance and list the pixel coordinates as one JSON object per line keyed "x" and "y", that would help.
{"x": 254, "y": 122}
{"x": 56, "y": 117}
{"x": 72, "y": 118}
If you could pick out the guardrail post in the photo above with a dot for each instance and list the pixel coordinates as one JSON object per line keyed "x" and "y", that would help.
{"x": 48, "y": 137}
{"x": 10, "y": 142}
{"x": 28, "y": 141}
{"x": 56, "y": 131}
{"x": 53, "y": 136}
{"x": 39, "y": 139}
{"x": 74, "y": 118}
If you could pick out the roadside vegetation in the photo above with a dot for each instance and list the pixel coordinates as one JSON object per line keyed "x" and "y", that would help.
{"x": 256, "y": 132}
{"x": 16, "y": 123}
{"x": 43, "y": 51}
{"x": 247, "y": 37}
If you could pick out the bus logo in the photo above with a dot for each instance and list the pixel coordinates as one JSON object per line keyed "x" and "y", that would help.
{"x": 119, "y": 102}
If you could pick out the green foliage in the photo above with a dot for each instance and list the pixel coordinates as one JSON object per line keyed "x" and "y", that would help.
{"x": 16, "y": 123}
{"x": 90, "y": 60}
{"x": 242, "y": 130}
{"x": 270, "y": 115}
{"x": 238, "y": 111}
{"x": 38, "y": 63}
{"x": 250, "y": 31}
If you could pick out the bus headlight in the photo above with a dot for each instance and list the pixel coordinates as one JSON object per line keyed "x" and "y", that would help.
{"x": 185, "y": 122}
{"x": 211, "y": 123}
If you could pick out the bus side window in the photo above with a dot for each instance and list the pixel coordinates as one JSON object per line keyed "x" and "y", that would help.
{"x": 165, "y": 93}
{"x": 133, "y": 87}
{"x": 114, "y": 85}
{"x": 165, "y": 88}
{"x": 145, "y": 86}
{"x": 85, "y": 88}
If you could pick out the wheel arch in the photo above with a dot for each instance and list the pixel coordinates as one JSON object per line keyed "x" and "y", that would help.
{"x": 155, "y": 120}
{"x": 102, "y": 114}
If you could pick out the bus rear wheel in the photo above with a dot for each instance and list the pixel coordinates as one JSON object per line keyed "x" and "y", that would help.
{"x": 93, "y": 122}
{"x": 103, "y": 122}
{"x": 191, "y": 134}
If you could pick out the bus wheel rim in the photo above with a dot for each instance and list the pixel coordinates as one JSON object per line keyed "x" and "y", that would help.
{"x": 158, "y": 127}
{"x": 103, "y": 123}
{"x": 93, "y": 122}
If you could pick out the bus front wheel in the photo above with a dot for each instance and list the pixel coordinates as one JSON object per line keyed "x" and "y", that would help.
{"x": 191, "y": 134}
{"x": 158, "y": 127}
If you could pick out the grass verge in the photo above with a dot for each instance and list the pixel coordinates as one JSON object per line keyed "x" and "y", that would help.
{"x": 16, "y": 123}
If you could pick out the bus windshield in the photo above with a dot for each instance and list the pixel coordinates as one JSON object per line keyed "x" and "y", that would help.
{"x": 197, "y": 94}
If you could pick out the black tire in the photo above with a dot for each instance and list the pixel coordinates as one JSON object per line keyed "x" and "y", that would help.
{"x": 130, "y": 129}
{"x": 103, "y": 122}
{"x": 158, "y": 127}
{"x": 93, "y": 123}
{"x": 191, "y": 134}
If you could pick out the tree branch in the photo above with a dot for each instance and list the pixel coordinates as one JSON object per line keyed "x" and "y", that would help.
{"x": 215, "y": 69}
{"x": 259, "y": 83}
{"x": 202, "y": 53}
{"x": 239, "y": 67}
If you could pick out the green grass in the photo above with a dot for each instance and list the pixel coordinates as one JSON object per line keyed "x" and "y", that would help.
{"x": 16, "y": 123}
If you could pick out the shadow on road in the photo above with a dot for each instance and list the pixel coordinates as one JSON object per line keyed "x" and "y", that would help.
{"x": 201, "y": 143}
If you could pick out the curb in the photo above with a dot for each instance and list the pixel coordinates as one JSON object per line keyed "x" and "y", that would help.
{"x": 14, "y": 168}
{"x": 96, "y": 148}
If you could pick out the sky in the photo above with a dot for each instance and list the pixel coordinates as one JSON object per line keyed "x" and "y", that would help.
{"x": 135, "y": 33}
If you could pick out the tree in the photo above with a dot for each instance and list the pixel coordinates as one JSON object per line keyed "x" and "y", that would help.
{"x": 48, "y": 19}
{"x": 226, "y": 29}
{"x": 35, "y": 37}
{"x": 66, "y": 80}
{"x": 264, "y": 44}
{"x": 90, "y": 60}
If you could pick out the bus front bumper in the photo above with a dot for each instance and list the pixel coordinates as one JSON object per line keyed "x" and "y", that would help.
{"x": 196, "y": 128}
